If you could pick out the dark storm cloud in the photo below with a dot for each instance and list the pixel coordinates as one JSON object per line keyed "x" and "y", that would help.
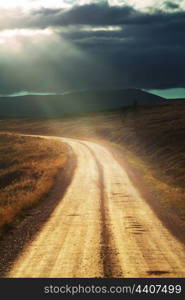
{"x": 101, "y": 14}
{"x": 91, "y": 14}
{"x": 147, "y": 52}
{"x": 171, "y": 5}
{"x": 96, "y": 14}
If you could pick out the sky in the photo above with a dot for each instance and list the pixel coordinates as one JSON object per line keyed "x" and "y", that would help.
{"x": 54, "y": 46}
{"x": 170, "y": 93}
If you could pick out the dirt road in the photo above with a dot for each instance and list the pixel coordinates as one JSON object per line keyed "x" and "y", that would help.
{"x": 101, "y": 228}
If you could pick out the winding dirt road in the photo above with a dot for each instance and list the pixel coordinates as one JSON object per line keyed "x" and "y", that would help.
{"x": 101, "y": 228}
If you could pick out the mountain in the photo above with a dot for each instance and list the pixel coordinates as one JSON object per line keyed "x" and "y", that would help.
{"x": 74, "y": 103}
{"x": 177, "y": 100}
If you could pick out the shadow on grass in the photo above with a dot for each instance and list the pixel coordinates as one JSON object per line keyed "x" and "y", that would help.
{"x": 17, "y": 237}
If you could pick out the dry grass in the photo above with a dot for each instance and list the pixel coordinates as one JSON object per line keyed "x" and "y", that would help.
{"x": 28, "y": 166}
{"x": 156, "y": 140}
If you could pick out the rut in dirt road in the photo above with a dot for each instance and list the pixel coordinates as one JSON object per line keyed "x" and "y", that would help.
{"x": 110, "y": 261}
{"x": 101, "y": 228}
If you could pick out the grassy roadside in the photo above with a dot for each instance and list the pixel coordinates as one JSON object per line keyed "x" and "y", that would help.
{"x": 28, "y": 167}
{"x": 155, "y": 146}
{"x": 162, "y": 197}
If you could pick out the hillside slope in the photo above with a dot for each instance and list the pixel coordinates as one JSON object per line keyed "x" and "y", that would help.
{"x": 74, "y": 103}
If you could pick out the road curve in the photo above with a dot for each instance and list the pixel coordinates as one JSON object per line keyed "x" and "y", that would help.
{"x": 101, "y": 228}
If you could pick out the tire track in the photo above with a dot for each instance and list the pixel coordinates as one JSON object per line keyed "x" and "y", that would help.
{"x": 111, "y": 265}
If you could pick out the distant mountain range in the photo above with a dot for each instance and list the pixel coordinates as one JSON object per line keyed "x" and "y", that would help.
{"x": 74, "y": 103}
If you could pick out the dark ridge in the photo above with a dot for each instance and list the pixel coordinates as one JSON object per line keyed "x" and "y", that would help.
{"x": 74, "y": 103}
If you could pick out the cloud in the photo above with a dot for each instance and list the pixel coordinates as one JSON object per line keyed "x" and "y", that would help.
{"x": 92, "y": 45}
{"x": 97, "y": 14}
{"x": 171, "y": 5}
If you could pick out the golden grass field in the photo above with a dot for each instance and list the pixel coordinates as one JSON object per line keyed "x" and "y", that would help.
{"x": 151, "y": 140}
{"x": 28, "y": 167}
